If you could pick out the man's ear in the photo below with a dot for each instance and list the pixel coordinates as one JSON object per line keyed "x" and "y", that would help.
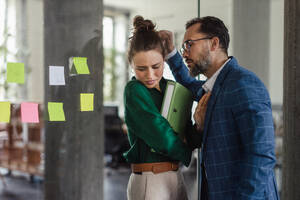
{"x": 215, "y": 43}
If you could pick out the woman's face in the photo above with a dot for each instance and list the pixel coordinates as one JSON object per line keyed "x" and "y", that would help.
{"x": 148, "y": 67}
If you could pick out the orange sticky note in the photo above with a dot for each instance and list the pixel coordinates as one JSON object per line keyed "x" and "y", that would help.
{"x": 4, "y": 112}
{"x": 86, "y": 102}
{"x": 29, "y": 112}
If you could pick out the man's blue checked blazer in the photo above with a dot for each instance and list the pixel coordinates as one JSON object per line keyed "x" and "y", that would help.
{"x": 238, "y": 137}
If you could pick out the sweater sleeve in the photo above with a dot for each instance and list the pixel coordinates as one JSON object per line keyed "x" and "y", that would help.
{"x": 145, "y": 121}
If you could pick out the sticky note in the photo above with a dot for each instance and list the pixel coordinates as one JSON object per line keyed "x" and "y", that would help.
{"x": 4, "y": 112}
{"x": 56, "y": 111}
{"x": 15, "y": 73}
{"x": 29, "y": 112}
{"x": 56, "y": 75}
{"x": 86, "y": 102}
{"x": 81, "y": 65}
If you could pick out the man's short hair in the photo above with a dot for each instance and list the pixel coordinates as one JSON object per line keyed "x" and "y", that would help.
{"x": 212, "y": 27}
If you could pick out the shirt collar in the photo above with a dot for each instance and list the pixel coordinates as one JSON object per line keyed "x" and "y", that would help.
{"x": 209, "y": 84}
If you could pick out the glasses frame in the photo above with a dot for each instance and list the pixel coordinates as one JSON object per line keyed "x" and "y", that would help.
{"x": 186, "y": 46}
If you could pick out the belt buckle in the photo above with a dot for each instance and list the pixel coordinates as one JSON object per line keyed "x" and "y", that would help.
{"x": 174, "y": 166}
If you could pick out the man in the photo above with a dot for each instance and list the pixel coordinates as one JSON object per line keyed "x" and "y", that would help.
{"x": 237, "y": 135}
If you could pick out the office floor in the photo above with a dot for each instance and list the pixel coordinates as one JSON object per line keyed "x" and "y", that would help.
{"x": 19, "y": 186}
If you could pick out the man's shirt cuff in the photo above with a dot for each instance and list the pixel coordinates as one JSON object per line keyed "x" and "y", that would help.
{"x": 171, "y": 54}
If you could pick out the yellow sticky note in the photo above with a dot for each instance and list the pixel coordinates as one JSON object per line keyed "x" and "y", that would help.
{"x": 81, "y": 65}
{"x": 56, "y": 111}
{"x": 15, "y": 73}
{"x": 4, "y": 112}
{"x": 86, "y": 102}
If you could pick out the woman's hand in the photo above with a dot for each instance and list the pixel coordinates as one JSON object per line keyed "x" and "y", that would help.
{"x": 199, "y": 115}
{"x": 167, "y": 39}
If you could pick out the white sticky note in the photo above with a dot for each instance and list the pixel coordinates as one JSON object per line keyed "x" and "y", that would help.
{"x": 56, "y": 75}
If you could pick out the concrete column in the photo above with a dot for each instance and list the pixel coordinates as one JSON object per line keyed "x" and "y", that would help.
{"x": 291, "y": 101}
{"x": 74, "y": 149}
{"x": 251, "y": 32}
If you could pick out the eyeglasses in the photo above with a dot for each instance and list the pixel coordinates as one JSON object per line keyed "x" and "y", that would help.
{"x": 186, "y": 46}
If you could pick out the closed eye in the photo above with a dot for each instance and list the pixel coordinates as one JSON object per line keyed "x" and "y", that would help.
{"x": 156, "y": 66}
{"x": 141, "y": 68}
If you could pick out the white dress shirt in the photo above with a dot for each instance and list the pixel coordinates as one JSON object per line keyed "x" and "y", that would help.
{"x": 209, "y": 84}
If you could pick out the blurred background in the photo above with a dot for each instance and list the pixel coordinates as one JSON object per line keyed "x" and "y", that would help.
{"x": 42, "y": 33}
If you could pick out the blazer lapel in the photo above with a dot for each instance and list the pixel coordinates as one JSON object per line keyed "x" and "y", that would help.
{"x": 200, "y": 93}
{"x": 214, "y": 95}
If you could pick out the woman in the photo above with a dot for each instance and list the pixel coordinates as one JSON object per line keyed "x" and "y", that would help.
{"x": 155, "y": 148}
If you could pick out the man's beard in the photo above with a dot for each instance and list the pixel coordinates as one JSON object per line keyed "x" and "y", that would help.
{"x": 201, "y": 66}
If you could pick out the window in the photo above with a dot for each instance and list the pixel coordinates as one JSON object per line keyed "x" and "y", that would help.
{"x": 115, "y": 26}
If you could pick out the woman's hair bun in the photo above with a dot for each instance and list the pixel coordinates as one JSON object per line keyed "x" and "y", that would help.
{"x": 144, "y": 38}
{"x": 140, "y": 24}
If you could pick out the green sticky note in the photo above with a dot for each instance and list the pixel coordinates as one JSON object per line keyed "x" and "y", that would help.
{"x": 81, "y": 65}
{"x": 56, "y": 111}
{"x": 86, "y": 102}
{"x": 15, "y": 73}
{"x": 4, "y": 112}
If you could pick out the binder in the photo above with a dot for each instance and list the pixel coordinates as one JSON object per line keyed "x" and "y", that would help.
{"x": 176, "y": 107}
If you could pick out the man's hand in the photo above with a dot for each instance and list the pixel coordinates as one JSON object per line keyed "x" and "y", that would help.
{"x": 167, "y": 39}
{"x": 199, "y": 115}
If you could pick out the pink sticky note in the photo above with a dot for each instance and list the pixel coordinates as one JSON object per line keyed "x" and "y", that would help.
{"x": 29, "y": 112}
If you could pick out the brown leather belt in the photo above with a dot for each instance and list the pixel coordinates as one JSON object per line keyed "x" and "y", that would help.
{"x": 156, "y": 168}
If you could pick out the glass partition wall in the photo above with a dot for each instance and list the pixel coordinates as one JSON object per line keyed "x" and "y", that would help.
{"x": 71, "y": 138}
{"x": 256, "y": 40}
